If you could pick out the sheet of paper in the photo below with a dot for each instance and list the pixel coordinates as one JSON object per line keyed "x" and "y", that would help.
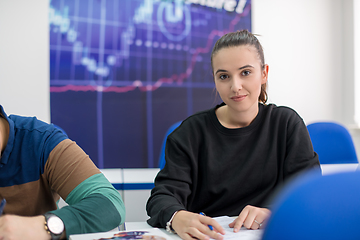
{"x": 243, "y": 234}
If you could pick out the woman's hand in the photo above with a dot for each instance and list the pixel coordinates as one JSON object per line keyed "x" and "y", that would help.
{"x": 251, "y": 217}
{"x": 190, "y": 225}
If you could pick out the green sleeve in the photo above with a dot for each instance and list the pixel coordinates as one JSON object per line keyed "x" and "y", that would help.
{"x": 94, "y": 206}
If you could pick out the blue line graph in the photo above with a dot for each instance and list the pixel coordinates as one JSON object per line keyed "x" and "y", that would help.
{"x": 121, "y": 72}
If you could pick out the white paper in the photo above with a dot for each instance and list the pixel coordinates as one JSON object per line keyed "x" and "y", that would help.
{"x": 243, "y": 234}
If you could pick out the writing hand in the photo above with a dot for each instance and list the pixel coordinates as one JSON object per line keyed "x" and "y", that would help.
{"x": 190, "y": 225}
{"x": 251, "y": 217}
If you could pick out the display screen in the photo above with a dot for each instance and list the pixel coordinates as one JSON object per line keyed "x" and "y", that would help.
{"x": 123, "y": 71}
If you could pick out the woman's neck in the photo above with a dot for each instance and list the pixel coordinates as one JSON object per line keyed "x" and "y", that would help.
{"x": 235, "y": 119}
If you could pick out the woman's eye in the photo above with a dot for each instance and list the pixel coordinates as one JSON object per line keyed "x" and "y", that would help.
{"x": 223, "y": 76}
{"x": 245, "y": 73}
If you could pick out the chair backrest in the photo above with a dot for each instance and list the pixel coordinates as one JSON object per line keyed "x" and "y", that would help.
{"x": 332, "y": 142}
{"x": 317, "y": 207}
{"x": 162, "y": 151}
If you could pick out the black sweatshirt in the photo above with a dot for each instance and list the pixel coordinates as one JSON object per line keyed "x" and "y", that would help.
{"x": 218, "y": 171}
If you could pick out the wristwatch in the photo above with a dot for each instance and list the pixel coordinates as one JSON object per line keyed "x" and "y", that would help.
{"x": 54, "y": 225}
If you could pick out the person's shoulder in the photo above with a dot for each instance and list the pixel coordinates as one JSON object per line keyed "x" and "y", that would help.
{"x": 283, "y": 115}
{"x": 37, "y": 129}
{"x": 281, "y": 110}
{"x": 198, "y": 117}
{"x": 30, "y": 123}
{"x": 194, "y": 123}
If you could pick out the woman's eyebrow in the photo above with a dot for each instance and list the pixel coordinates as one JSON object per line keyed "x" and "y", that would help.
{"x": 220, "y": 70}
{"x": 223, "y": 70}
{"x": 246, "y": 66}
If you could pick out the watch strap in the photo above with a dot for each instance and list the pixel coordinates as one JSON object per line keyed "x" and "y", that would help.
{"x": 53, "y": 235}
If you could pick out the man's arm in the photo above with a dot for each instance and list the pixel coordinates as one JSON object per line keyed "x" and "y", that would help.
{"x": 94, "y": 204}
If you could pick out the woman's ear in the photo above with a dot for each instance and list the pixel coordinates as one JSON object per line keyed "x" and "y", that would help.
{"x": 265, "y": 73}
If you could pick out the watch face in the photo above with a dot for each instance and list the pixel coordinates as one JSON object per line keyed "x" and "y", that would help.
{"x": 55, "y": 225}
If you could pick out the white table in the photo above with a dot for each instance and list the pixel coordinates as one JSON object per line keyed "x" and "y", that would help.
{"x": 129, "y": 226}
{"x": 133, "y": 226}
{"x": 337, "y": 168}
{"x": 244, "y": 233}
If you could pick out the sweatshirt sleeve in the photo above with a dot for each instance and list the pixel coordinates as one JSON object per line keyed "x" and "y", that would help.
{"x": 94, "y": 204}
{"x": 300, "y": 154}
{"x": 172, "y": 186}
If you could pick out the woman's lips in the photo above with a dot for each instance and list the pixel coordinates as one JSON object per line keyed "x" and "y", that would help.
{"x": 238, "y": 98}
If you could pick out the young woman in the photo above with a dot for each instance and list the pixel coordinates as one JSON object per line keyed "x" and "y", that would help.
{"x": 228, "y": 160}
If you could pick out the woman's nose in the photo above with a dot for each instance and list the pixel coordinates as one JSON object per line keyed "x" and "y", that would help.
{"x": 236, "y": 85}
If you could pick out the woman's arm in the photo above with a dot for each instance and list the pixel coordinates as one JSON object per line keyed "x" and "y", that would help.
{"x": 300, "y": 154}
{"x": 172, "y": 186}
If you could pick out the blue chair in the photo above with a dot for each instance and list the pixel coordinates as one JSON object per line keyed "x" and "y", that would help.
{"x": 314, "y": 207}
{"x": 332, "y": 142}
{"x": 162, "y": 151}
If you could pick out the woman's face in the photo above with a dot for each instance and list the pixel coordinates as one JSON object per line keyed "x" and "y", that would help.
{"x": 238, "y": 77}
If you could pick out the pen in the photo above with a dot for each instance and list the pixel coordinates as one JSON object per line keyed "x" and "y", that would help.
{"x": 211, "y": 227}
{"x": 2, "y": 205}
